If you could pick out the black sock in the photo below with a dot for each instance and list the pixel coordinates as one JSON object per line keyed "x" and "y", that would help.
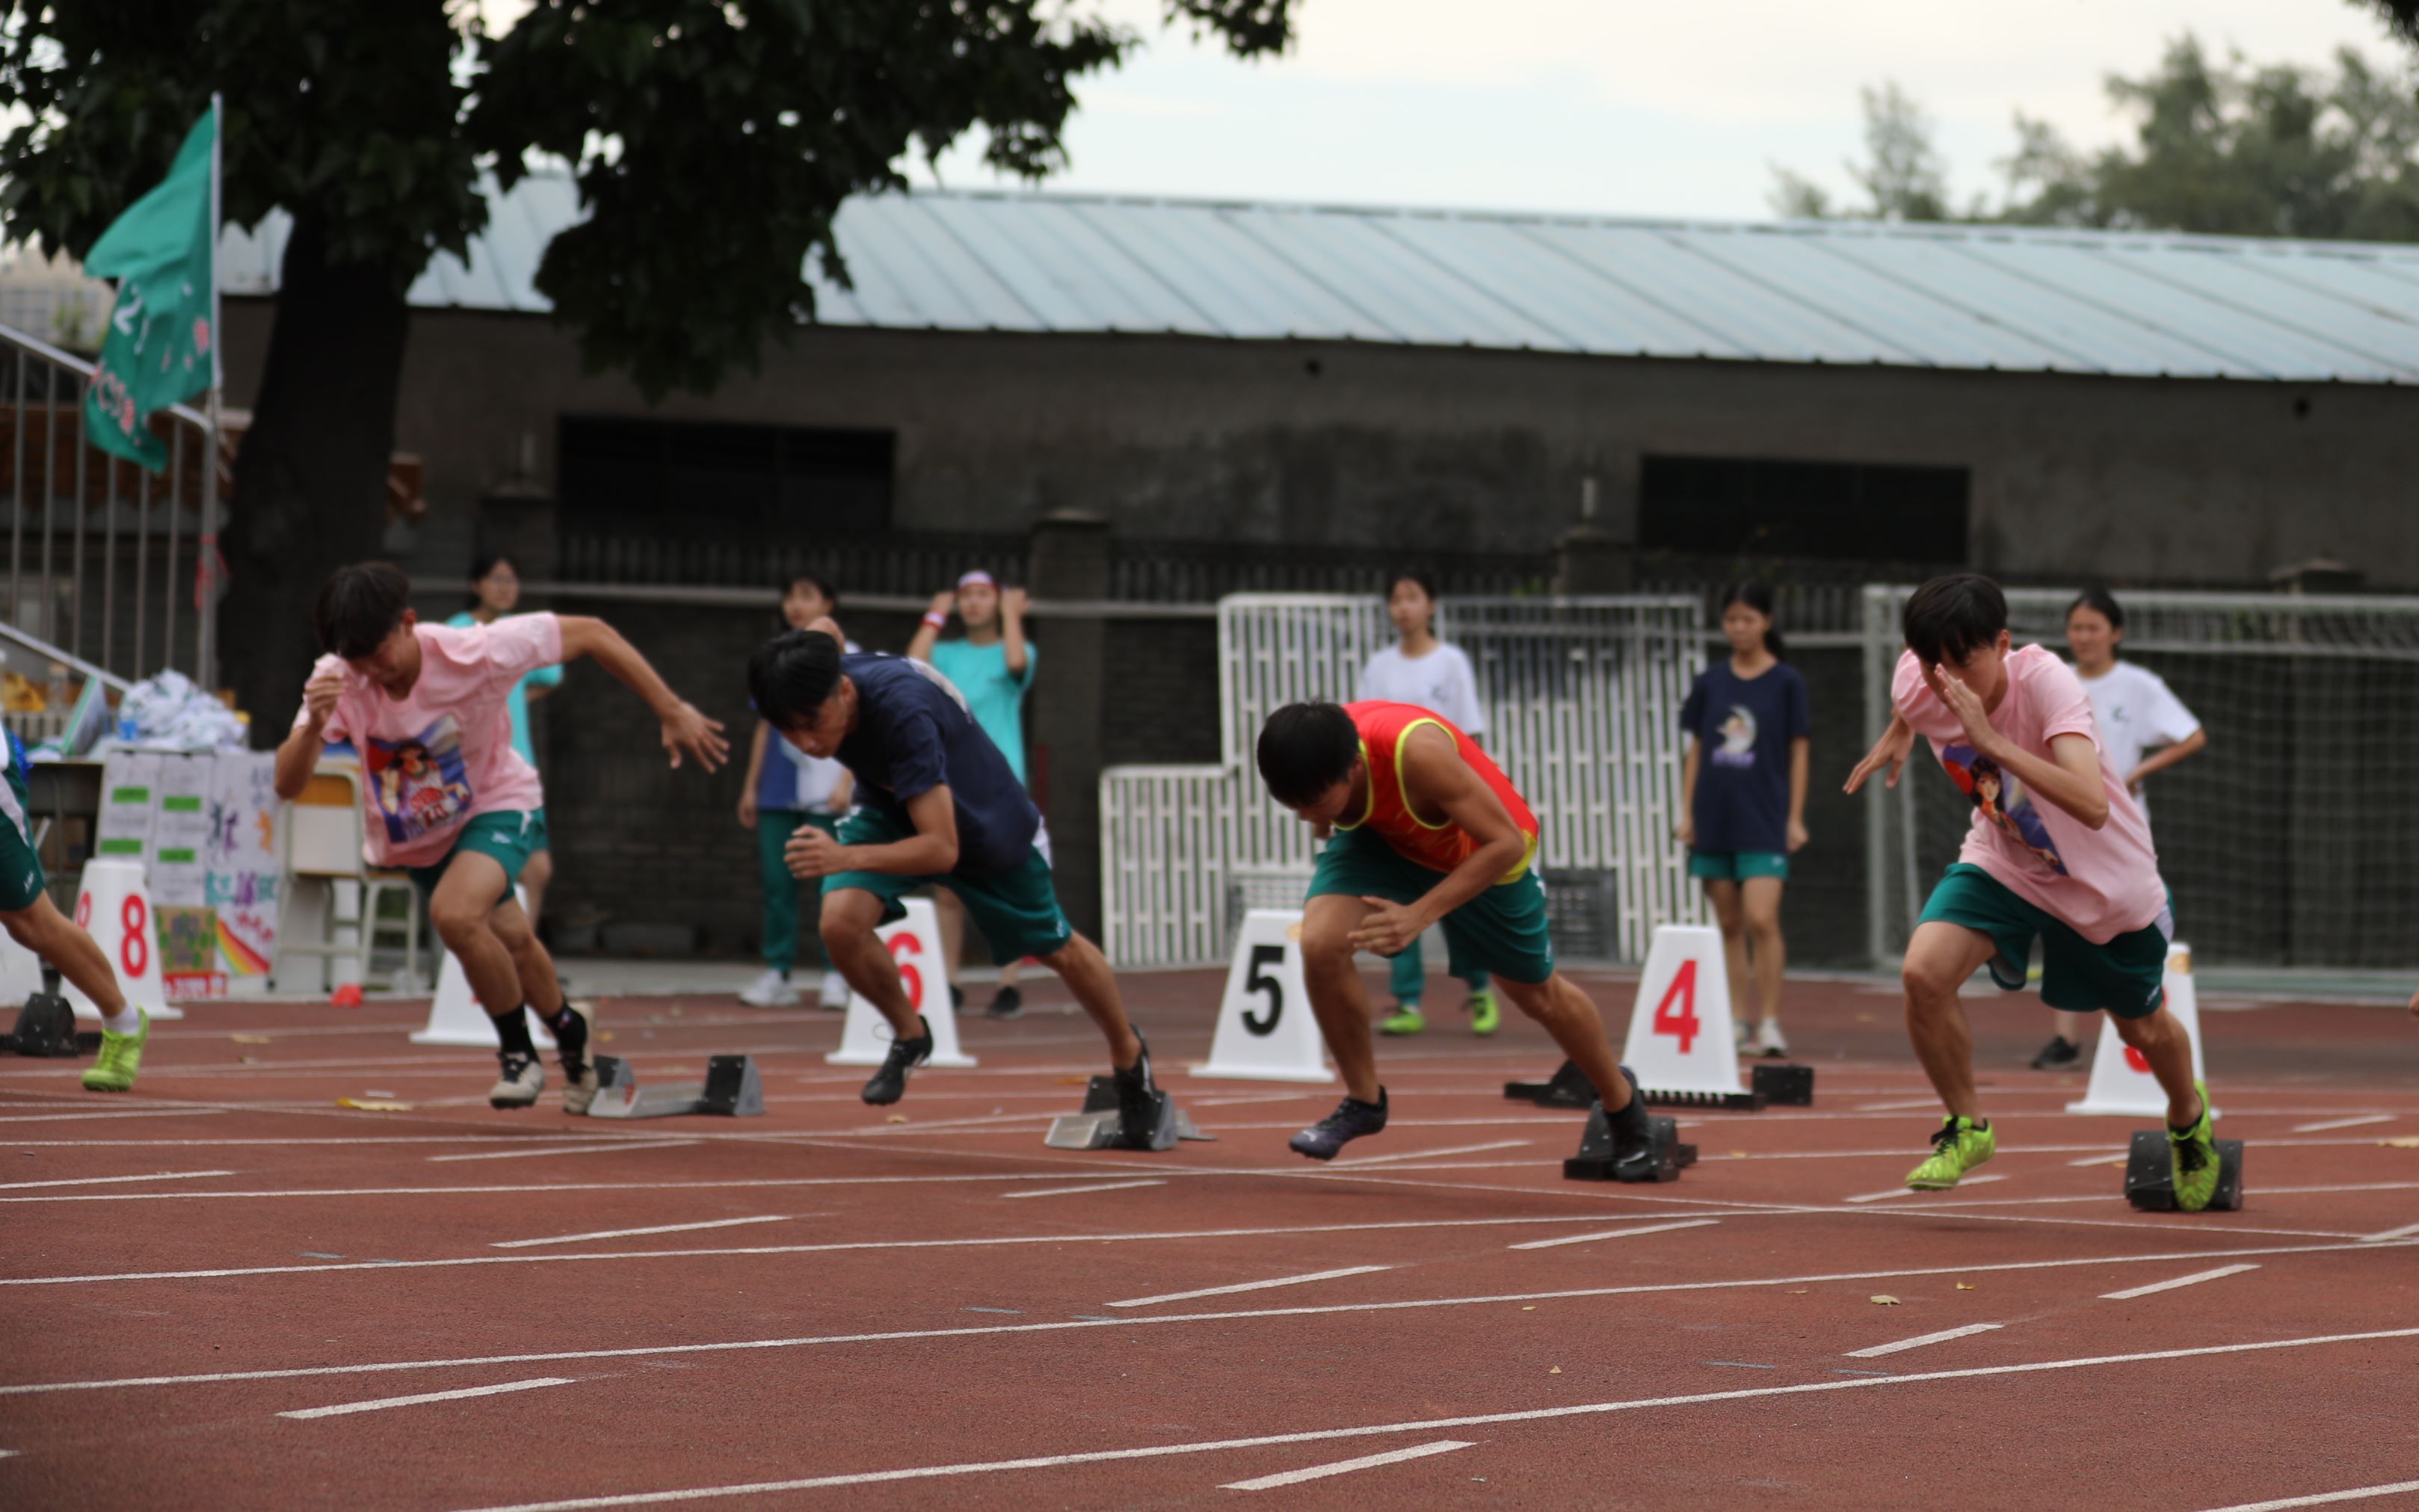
{"x": 561, "y": 1019}
{"x": 512, "y": 1034}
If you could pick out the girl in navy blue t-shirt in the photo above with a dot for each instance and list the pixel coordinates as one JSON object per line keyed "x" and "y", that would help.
{"x": 1743, "y": 798}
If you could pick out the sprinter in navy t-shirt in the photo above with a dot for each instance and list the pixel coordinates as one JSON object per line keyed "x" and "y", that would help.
{"x": 1743, "y": 800}
{"x": 936, "y": 805}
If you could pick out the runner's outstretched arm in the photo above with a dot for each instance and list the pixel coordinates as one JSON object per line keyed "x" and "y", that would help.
{"x": 685, "y": 731}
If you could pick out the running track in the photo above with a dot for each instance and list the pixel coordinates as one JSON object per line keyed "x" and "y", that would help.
{"x": 837, "y": 1309}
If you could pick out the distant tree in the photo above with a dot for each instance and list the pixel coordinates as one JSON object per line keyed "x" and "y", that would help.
{"x": 713, "y": 143}
{"x": 1901, "y": 173}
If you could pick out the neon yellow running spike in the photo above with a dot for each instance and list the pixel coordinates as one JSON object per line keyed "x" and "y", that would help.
{"x": 2195, "y": 1156}
{"x": 1959, "y": 1147}
{"x": 1485, "y": 1014}
{"x": 1406, "y": 1019}
{"x": 121, "y": 1054}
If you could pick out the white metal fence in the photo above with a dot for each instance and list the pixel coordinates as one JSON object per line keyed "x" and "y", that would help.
{"x": 2293, "y": 840}
{"x": 1583, "y": 698}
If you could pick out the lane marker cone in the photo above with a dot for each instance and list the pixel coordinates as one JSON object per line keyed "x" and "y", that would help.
{"x": 914, "y": 943}
{"x": 114, "y": 906}
{"x": 2121, "y": 1082}
{"x": 1680, "y": 1029}
{"x": 1266, "y": 1031}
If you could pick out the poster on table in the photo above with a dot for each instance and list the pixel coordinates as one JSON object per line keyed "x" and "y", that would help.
{"x": 128, "y": 804}
{"x": 179, "y": 875}
{"x": 245, "y": 862}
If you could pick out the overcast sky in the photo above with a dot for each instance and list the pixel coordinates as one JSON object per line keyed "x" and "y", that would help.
{"x": 1627, "y": 107}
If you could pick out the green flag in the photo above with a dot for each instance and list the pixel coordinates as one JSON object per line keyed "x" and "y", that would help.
{"x": 160, "y": 341}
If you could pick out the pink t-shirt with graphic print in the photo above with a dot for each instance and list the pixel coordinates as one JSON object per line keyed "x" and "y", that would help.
{"x": 2102, "y": 882}
{"x": 434, "y": 761}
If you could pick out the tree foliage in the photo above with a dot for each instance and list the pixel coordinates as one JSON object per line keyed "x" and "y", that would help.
{"x": 2222, "y": 146}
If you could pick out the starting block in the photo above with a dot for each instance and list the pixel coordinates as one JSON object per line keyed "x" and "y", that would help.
{"x": 734, "y": 1089}
{"x": 1593, "y": 1163}
{"x": 2149, "y": 1174}
{"x": 1098, "y": 1126}
{"x": 46, "y": 1025}
{"x": 1772, "y": 1086}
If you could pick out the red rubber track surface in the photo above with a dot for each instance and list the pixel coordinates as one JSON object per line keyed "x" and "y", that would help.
{"x": 907, "y": 1331}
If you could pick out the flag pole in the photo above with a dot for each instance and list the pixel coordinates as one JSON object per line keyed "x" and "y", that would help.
{"x": 206, "y": 566}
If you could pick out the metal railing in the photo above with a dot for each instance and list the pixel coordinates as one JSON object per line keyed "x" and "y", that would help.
{"x": 107, "y": 562}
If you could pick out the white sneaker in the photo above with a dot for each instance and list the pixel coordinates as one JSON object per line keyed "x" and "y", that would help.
{"x": 519, "y": 1082}
{"x": 1768, "y": 1042}
{"x": 833, "y": 993}
{"x": 771, "y": 989}
{"x": 1742, "y": 1037}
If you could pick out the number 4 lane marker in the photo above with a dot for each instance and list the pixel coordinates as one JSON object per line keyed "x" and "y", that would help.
{"x": 1345, "y": 1467}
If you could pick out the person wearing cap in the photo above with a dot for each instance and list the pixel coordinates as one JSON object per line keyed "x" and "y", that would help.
{"x": 992, "y": 664}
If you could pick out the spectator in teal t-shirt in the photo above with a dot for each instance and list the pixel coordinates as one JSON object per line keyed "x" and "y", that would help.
{"x": 495, "y": 589}
{"x": 992, "y": 664}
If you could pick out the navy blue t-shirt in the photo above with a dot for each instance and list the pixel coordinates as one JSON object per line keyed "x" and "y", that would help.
{"x": 913, "y": 734}
{"x": 1743, "y": 727}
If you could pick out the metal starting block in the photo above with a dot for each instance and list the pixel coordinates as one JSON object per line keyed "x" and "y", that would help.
{"x": 1593, "y": 1163}
{"x": 1098, "y": 1127}
{"x": 1770, "y": 1084}
{"x": 2149, "y": 1174}
{"x": 46, "y": 1025}
{"x": 733, "y": 1089}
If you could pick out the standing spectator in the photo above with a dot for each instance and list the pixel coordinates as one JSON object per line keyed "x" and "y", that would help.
{"x": 1743, "y": 798}
{"x": 1420, "y": 669}
{"x": 787, "y": 791}
{"x": 992, "y": 664}
{"x": 2136, "y": 711}
{"x": 495, "y": 589}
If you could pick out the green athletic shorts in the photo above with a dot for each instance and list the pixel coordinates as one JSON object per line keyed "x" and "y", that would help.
{"x": 510, "y": 837}
{"x": 1737, "y": 866}
{"x": 21, "y": 865}
{"x": 2127, "y": 976}
{"x": 1017, "y": 910}
{"x": 1501, "y": 930}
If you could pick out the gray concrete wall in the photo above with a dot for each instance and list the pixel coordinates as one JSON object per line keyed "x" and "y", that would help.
{"x": 1331, "y": 443}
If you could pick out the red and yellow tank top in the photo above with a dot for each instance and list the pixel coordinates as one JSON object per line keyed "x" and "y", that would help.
{"x": 1443, "y": 845}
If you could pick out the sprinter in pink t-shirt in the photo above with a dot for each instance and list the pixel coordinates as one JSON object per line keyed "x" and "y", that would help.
{"x": 2057, "y": 852}
{"x": 445, "y": 794}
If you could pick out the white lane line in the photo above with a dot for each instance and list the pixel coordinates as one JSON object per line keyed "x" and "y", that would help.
{"x": 382, "y": 1403}
{"x": 1898, "y": 1107}
{"x": 1252, "y": 1286}
{"x": 1613, "y": 1233}
{"x": 2118, "y": 1159}
{"x": 633, "y": 1233}
{"x": 2345, "y": 1123}
{"x": 1428, "y": 1155}
{"x": 2323, "y": 1498}
{"x": 1078, "y": 1191}
{"x": 114, "y": 1113}
{"x": 2406, "y": 1232}
{"x": 1922, "y": 1339}
{"x": 105, "y": 1180}
{"x": 1908, "y": 1191}
{"x": 1345, "y": 1467}
{"x": 2192, "y": 1280}
{"x": 1256, "y": 1097}
{"x": 1539, "y": 1415}
{"x": 591, "y": 1146}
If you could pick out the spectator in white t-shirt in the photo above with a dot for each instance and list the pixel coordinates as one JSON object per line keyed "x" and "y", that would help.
{"x": 2137, "y": 711}
{"x": 1420, "y": 670}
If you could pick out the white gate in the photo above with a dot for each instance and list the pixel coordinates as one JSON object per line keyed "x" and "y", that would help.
{"x": 1583, "y": 698}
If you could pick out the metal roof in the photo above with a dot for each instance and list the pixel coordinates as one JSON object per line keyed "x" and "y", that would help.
{"x": 1950, "y": 297}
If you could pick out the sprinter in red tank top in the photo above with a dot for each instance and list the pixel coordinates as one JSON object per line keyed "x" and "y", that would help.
{"x": 1422, "y": 828}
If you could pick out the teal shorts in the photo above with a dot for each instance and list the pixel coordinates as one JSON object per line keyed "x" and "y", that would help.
{"x": 21, "y": 865}
{"x": 1503, "y": 931}
{"x": 1737, "y": 866}
{"x": 2127, "y": 976}
{"x": 510, "y": 838}
{"x": 1017, "y": 910}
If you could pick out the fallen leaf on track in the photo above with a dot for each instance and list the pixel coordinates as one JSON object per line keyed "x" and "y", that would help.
{"x": 897, "y": 1118}
{"x": 250, "y": 1039}
{"x": 1556, "y": 1371}
{"x": 1801, "y": 1291}
{"x": 2411, "y": 1143}
{"x": 1886, "y": 1300}
{"x": 371, "y": 1105}
{"x": 1963, "y": 1286}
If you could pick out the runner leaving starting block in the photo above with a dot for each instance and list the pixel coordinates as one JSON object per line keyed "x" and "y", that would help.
{"x": 1593, "y": 1163}
{"x": 1098, "y": 1127}
{"x": 734, "y": 1089}
{"x": 2150, "y": 1174}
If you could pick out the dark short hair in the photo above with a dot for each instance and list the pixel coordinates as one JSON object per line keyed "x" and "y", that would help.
{"x": 1421, "y": 581}
{"x": 487, "y": 561}
{"x": 358, "y": 606}
{"x": 790, "y": 676}
{"x": 2104, "y": 602}
{"x": 1757, "y": 595}
{"x": 1950, "y": 618}
{"x": 1306, "y": 749}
